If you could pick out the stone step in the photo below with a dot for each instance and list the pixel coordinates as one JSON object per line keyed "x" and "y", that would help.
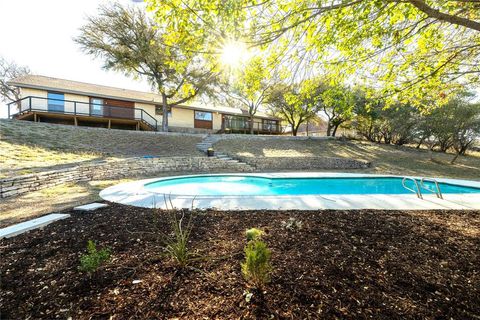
{"x": 91, "y": 206}
{"x": 20, "y": 228}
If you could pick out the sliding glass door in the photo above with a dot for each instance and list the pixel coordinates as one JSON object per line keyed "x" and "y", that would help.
{"x": 56, "y": 102}
{"x": 96, "y": 106}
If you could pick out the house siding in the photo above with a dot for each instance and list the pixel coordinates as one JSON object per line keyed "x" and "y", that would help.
{"x": 181, "y": 117}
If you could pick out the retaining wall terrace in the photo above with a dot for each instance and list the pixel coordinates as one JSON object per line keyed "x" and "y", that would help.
{"x": 18, "y": 185}
{"x": 236, "y": 136}
{"x": 305, "y": 163}
{"x": 114, "y": 169}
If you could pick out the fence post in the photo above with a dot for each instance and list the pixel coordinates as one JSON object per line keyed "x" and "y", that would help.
{"x": 75, "y": 108}
{"x": 29, "y": 104}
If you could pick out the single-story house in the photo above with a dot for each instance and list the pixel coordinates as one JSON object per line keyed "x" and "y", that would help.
{"x": 63, "y": 101}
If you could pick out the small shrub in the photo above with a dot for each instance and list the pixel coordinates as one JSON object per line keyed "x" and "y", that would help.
{"x": 253, "y": 234}
{"x": 256, "y": 268}
{"x": 292, "y": 224}
{"x": 91, "y": 261}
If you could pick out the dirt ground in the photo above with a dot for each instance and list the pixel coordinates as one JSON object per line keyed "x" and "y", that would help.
{"x": 28, "y": 147}
{"x": 339, "y": 264}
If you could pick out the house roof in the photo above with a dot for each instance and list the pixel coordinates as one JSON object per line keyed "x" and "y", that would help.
{"x": 100, "y": 91}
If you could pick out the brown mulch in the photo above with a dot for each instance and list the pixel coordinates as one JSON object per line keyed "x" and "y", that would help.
{"x": 340, "y": 264}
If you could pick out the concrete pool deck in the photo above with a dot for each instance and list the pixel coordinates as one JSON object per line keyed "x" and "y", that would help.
{"x": 134, "y": 193}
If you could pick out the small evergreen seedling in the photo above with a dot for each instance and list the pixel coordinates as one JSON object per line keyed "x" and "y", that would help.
{"x": 256, "y": 268}
{"x": 253, "y": 234}
{"x": 91, "y": 261}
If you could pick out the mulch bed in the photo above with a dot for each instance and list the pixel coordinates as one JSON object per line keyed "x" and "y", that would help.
{"x": 340, "y": 264}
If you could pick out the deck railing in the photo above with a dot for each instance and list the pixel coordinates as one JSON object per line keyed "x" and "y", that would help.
{"x": 244, "y": 125}
{"x": 78, "y": 108}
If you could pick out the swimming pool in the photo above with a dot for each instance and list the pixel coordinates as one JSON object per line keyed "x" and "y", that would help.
{"x": 234, "y": 185}
{"x": 296, "y": 190}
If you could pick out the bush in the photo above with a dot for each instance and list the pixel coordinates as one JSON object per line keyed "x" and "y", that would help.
{"x": 256, "y": 268}
{"x": 91, "y": 261}
{"x": 253, "y": 234}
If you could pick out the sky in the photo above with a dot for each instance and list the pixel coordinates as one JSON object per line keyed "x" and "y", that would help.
{"x": 39, "y": 34}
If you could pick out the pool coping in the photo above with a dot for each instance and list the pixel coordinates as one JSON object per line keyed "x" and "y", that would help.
{"x": 134, "y": 193}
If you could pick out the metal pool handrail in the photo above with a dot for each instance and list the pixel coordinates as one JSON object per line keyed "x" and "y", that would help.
{"x": 418, "y": 192}
{"x": 438, "y": 192}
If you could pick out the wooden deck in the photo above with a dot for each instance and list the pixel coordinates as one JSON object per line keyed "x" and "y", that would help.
{"x": 82, "y": 120}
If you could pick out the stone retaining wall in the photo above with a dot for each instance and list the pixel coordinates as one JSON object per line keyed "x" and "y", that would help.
{"x": 114, "y": 169}
{"x": 236, "y": 136}
{"x": 142, "y": 166}
{"x": 305, "y": 163}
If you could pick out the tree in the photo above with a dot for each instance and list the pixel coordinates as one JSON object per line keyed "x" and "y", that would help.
{"x": 467, "y": 131}
{"x": 367, "y": 117}
{"x": 397, "y": 123}
{"x": 465, "y": 117}
{"x": 131, "y": 42}
{"x": 296, "y": 104}
{"x": 412, "y": 49}
{"x": 249, "y": 86}
{"x": 452, "y": 126}
{"x": 8, "y": 71}
{"x": 337, "y": 103}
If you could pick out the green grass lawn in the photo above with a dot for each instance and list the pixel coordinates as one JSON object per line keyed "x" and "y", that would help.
{"x": 385, "y": 159}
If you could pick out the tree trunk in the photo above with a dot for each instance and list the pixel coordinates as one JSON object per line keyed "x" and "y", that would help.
{"x": 455, "y": 158}
{"x": 419, "y": 143}
{"x": 251, "y": 124}
{"x": 329, "y": 129}
{"x": 294, "y": 130}
{"x": 165, "y": 113}
{"x": 335, "y": 130}
{"x": 430, "y": 152}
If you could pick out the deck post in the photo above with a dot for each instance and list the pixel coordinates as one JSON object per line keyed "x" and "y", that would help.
{"x": 34, "y": 117}
{"x": 109, "y": 123}
{"x": 75, "y": 121}
{"x": 138, "y": 125}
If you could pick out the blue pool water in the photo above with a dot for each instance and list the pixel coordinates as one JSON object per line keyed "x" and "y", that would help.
{"x": 252, "y": 186}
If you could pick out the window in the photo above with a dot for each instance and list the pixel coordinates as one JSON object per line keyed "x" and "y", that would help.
{"x": 56, "y": 102}
{"x": 205, "y": 116}
{"x": 159, "y": 111}
{"x": 270, "y": 125}
{"x": 237, "y": 122}
{"x": 96, "y": 106}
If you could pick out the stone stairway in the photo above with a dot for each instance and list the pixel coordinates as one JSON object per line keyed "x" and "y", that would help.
{"x": 209, "y": 141}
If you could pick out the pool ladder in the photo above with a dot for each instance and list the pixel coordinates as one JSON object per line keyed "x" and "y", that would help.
{"x": 418, "y": 191}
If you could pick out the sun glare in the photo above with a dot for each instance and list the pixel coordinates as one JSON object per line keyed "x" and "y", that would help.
{"x": 234, "y": 53}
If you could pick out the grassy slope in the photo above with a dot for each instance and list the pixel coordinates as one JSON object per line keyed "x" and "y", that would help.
{"x": 385, "y": 158}
{"x": 29, "y": 147}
